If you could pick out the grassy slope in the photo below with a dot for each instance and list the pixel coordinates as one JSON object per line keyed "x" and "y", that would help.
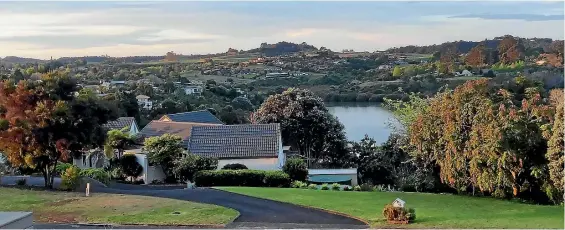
{"x": 64, "y": 207}
{"x": 432, "y": 210}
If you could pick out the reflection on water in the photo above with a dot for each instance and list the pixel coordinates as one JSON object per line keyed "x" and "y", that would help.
{"x": 363, "y": 118}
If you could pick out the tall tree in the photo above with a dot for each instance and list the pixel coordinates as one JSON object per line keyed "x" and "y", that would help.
{"x": 305, "y": 122}
{"x": 555, "y": 153}
{"x": 164, "y": 150}
{"x": 117, "y": 142}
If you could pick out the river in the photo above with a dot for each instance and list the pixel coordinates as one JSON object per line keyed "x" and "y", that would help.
{"x": 363, "y": 118}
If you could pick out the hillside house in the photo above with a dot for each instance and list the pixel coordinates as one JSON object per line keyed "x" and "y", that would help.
{"x": 193, "y": 89}
{"x": 202, "y": 116}
{"x": 123, "y": 122}
{"x": 257, "y": 146}
{"x": 144, "y": 102}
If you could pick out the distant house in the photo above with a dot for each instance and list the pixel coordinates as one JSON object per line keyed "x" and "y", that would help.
{"x": 193, "y": 89}
{"x": 257, "y": 146}
{"x": 203, "y": 116}
{"x": 123, "y": 122}
{"x": 117, "y": 83}
{"x": 144, "y": 102}
{"x": 384, "y": 67}
{"x": 182, "y": 129}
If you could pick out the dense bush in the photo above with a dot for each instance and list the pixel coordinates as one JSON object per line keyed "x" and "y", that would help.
{"x": 295, "y": 168}
{"x": 313, "y": 186}
{"x": 276, "y": 179}
{"x": 235, "y": 166}
{"x": 185, "y": 167}
{"x": 347, "y": 188}
{"x": 325, "y": 187}
{"x": 298, "y": 184}
{"x": 62, "y": 167}
{"x": 97, "y": 174}
{"x": 21, "y": 182}
{"x": 70, "y": 179}
{"x": 129, "y": 165}
{"x": 392, "y": 213}
{"x": 367, "y": 187}
{"x": 357, "y": 188}
{"x": 245, "y": 177}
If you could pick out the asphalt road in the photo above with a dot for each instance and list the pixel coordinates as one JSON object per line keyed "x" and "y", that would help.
{"x": 254, "y": 212}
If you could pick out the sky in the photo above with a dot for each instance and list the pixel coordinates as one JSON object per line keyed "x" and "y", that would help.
{"x": 59, "y": 29}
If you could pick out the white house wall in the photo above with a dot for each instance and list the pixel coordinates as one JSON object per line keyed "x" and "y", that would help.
{"x": 256, "y": 163}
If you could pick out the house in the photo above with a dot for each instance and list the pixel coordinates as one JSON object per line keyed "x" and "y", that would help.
{"x": 181, "y": 129}
{"x": 203, "y": 116}
{"x": 384, "y": 67}
{"x": 465, "y": 73}
{"x": 123, "y": 122}
{"x": 117, "y": 83}
{"x": 144, "y": 102}
{"x": 257, "y": 146}
{"x": 193, "y": 89}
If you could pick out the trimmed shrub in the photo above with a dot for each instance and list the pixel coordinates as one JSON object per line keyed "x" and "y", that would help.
{"x": 313, "y": 186}
{"x": 367, "y": 187}
{"x": 276, "y": 179}
{"x": 62, "y": 167}
{"x": 245, "y": 177}
{"x": 21, "y": 182}
{"x": 97, "y": 174}
{"x": 130, "y": 166}
{"x": 296, "y": 168}
{"x": 296, "y": 184}
{"x": 392, "y": 213}
{"x": 336, "y": 186}
{"x": 70, "y": 178}
{"x": 325, "y": 187}
{"x": 235, "y": 166}
{"x": 185, "y": 167}
{"x": 357, "y": 188}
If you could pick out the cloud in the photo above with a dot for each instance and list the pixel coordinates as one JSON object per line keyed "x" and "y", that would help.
{"x": 174, "y": 34}
{"x": 525, "y": 17}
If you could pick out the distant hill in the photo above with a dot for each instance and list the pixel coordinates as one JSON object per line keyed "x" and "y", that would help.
{"x": 20, "y": 60}
{"x": 282, "y": 48}
{"x": 533, "y": 46}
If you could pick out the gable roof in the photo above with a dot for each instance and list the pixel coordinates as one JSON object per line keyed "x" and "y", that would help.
{"x": 236, "y": 141}
{"x": 119, "y": 123}
{"x": 182, "y": 129}
{"x": 203, "y": 116}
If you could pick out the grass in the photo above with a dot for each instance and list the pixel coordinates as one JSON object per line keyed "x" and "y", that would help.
{"x": 62, "y": 207}
{"x": 432, "y": 210}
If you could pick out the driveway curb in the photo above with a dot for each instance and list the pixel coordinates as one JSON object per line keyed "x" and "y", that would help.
{"x": 303, "y": 206}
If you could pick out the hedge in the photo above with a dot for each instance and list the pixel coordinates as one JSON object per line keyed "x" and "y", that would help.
{"x": 244, "y": 177}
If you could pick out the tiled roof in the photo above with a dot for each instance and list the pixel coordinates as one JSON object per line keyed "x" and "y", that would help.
{"x": 158, "y": 128}
{"x": 236, "y": 141}
{"x": 203, "y": 116}
{"x": 119, "y": 123}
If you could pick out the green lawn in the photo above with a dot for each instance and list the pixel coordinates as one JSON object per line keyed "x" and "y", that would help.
{"x": 432, "y": 210}
{"x": 62, "y": 207}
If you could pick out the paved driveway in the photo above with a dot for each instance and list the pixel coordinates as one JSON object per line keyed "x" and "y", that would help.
{"x": 254, "y": 212}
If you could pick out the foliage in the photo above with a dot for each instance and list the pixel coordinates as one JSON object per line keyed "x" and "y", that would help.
{"x": 336, "y": 186}
{"x": 399, "y": 214}
{"x": 397, "y": 72}
{"x": 70, "y": 179}
{"x": 313, "y": 186}
{"x": 482, "y": 140}
{"x": 130, "y": 166}
{"x": 325, "y": 186}
{"x": 62, "y": 167}
{"x": 234, "y": 166}
{"x": 296, "y": 168}
{"x": 306, "y": 125}
{"x": 163, "y": 150}
{"x": 357, "y": 188}
{"x": 406, "y": 111}
{"x": 97, "y": 174}
{"x": 117, "y": 140}
{"x": 366, "y": 187}
{"x": 298, "y": 184}
{"x": 347, "y": 188}
{"x": 555, "y": 153}
{"x": 185, "y": 167}
{"x": 245, "y": 177}
{"x": 47, "y": 124}
{"x": 277, "y": 179}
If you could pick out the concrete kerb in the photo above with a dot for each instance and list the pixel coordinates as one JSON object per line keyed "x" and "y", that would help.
{"x": 303, "y": 206}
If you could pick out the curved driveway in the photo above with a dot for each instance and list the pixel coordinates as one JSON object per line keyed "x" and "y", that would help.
{"x": 254, "y": 212}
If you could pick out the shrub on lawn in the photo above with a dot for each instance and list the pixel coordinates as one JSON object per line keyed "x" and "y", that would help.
{"x": 235, "y": 166}
{"x": 70, "y": 179}
{"x": 21, "y": 182}
{"x": 97, "y": 174}
{"x": 62, "y": 167}
{"x": 185, "y": 167}
{"x": 130, "y": 166}
{"x": 336, "y": 186}
{"x": 298, "y": 184}
{"x": 245, "y": 177}
{"x": 313, "y": 186}
{"x": 276, "y": 179}
{"x": 367, "y": 187}
{"x": 295, "y": 168}
{"x": 405, "y": 215}
{"x": 357, "y": 188}
{"x": 325, "y": 187}
{"x": 347, "y": 188}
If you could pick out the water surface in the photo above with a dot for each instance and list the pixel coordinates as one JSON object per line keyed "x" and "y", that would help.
{"x": 363, "y": 118}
